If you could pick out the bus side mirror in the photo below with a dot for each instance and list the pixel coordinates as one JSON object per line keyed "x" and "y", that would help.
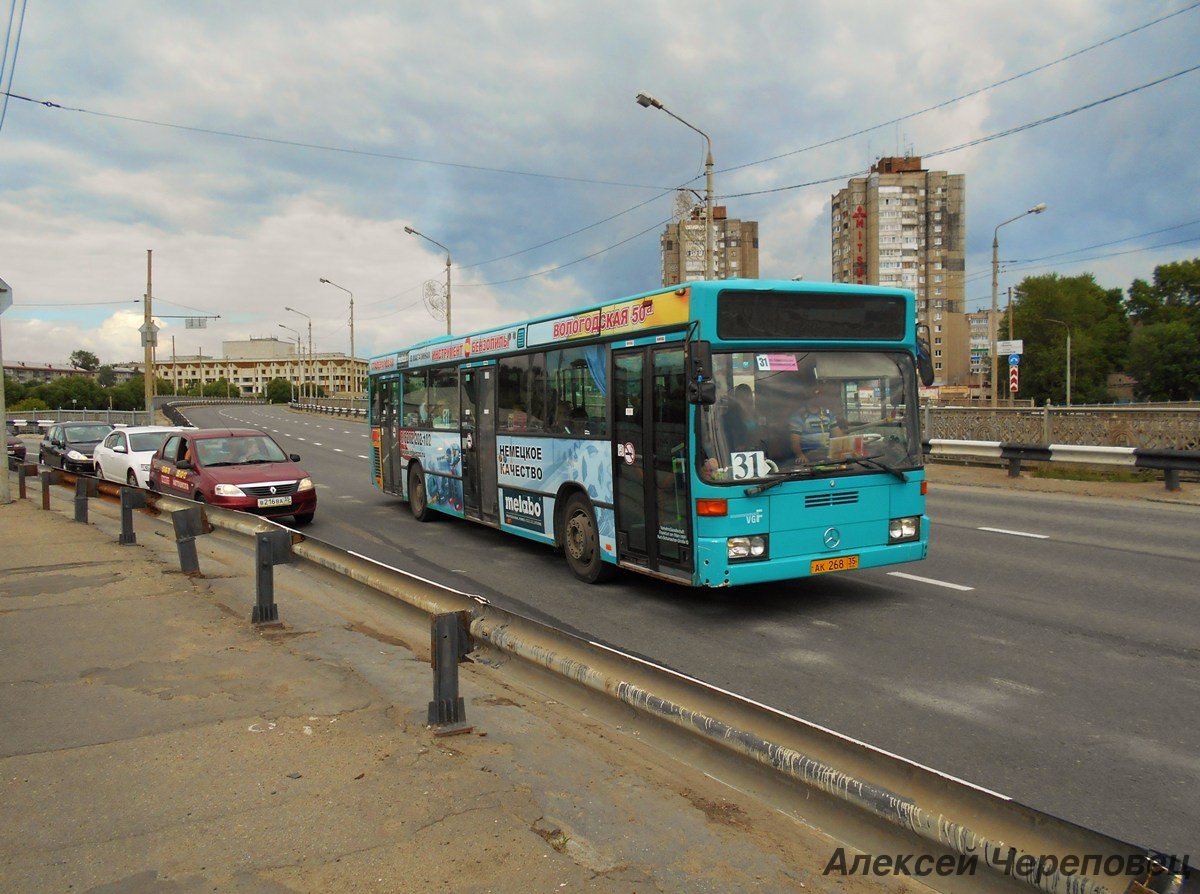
{"x": 924, "y": 359}
{"x": 701, "y": 389}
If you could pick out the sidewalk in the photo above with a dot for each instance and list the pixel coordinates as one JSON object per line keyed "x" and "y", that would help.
{"x": 153, "y": 741}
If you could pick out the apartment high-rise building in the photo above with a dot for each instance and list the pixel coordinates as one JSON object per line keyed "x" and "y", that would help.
{"x": 905, "y": 226}
{"x": 735, "y": 248}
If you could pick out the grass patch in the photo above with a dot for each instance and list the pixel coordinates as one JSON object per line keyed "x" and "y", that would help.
{"x": 1119, "y": 476}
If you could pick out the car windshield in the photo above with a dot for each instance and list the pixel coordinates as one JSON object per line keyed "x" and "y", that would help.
{"x": 238, "y": 450}
{"x": 76, "y": 433}
{"x": 821, "y": 411}
{"x": 147, "y": 441}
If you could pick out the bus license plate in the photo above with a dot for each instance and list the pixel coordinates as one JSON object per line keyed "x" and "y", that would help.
{"x": 263, "y": 502}
{"x": 841, "y": 563}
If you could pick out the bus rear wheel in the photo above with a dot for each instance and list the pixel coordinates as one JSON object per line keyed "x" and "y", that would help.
{"x": 418, "y": 501}
{"x": 581, "y": 542}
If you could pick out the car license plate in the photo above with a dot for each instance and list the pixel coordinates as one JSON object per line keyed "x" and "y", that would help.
{"x": 263, "y": 502}
{"x": 841, "y": 563}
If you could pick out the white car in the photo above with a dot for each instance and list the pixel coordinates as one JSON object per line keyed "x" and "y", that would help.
{"x": 124, "y": 456}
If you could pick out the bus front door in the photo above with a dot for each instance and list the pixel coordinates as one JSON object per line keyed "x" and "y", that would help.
{"x": 386, "y": 410}
{"x": 650, "y": 459}
{"x": 479, "y": 443}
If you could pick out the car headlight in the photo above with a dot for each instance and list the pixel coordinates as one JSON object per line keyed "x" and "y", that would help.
{"x": 228, "y": 490}
{"x": 145, "y": 467}
{"x": 902, "y": 530}
{"x": 76, "y": 455}
{"x": 305, "y": 484}
{"x": 746, "y": 548}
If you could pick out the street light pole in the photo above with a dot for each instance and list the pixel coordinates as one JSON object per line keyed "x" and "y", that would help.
{"x": 1068, "y": 328}
{"x": 647, "y": 101}
{"x": 353, "y": 369}
{"x": 1036, "y": 209}
{"x": 311, "y": 361}
{"x": 413, "y": 232}
{"x": 299, "y": 357}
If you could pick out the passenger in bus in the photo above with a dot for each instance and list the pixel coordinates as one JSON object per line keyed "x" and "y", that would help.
{"x": 741, "y": 421}
{"x": 518, "y": 419}
{"x": 561, "y": 421}
{"x": 812, "y": 425}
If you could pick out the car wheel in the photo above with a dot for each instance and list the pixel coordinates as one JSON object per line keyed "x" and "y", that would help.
{"x": 99, "y": 472}
{"x": 581, "y": 542}
{"x": 198, "y": 497}
{"x": 418, "y": 500}
{"x": 131, "y": 479}
{"x": 303, "y": 518}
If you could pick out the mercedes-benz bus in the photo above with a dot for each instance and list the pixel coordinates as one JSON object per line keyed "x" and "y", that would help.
{"x": 714, "y": 434}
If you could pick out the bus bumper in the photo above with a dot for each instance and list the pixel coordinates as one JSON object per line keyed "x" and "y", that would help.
{"x": 715, "y": 570}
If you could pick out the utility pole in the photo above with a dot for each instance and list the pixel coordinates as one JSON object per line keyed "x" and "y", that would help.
{"x": 148, "y": 343}
{"x": 5, "y": 493}
{"x": 1010, "y": 334}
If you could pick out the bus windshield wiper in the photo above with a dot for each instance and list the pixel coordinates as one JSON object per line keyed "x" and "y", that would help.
{"x": 872, "y": 462}
{"x": 794, "y": 475}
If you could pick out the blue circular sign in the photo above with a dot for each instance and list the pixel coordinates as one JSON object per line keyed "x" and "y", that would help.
{"x": 1014, "y": 359}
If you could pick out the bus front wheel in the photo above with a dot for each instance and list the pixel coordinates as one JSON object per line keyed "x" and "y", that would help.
{"x": 418, "y": 501}
{"x": 581, "y": 542}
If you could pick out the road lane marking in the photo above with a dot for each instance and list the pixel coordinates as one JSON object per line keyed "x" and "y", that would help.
{"x": 337, "y": 449}
{"x": 360, "y": 456}
{"x": 1016, "y": 533}
{"x": 930, "y": 580}
{"x": 301, "y": 439}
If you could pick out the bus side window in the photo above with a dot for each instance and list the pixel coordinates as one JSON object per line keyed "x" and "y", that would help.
{"x": 416, "y": 410}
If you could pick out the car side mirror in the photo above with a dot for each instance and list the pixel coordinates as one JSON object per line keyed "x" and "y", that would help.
{"x": 294, "y": 457}
{"x": 183, "y": 464}
{"x": 119, "y": 448}
{"x": 701, "y": 389}
{"x": 924, "y": 358}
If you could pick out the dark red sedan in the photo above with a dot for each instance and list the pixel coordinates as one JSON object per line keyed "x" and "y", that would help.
{"x": 16, "y": 448}
{"x": 236, "y": 469}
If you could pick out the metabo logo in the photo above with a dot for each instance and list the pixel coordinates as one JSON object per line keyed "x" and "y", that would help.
{"x": 522, "y": 510}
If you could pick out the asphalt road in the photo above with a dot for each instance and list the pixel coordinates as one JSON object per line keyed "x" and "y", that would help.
{"x": 1054, "y": 658}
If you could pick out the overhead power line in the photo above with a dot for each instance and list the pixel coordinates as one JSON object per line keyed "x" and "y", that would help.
{"x": 320, "y": 147}
{"x": 1105, "y": 244}
{"x": 7, "y": 85}
{"x": 961, "y": 97}
{"x": 987, "y": 139}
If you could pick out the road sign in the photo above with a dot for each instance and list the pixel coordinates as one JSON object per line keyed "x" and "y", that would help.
{"x": 5, "y": 296}
{"x": 195, "y": 323}
{"x": 149, "y": 334}
{"x": 1014, "y": 359}
{"x": 1013, "y": 346}
{"x": 1013, "y": 378}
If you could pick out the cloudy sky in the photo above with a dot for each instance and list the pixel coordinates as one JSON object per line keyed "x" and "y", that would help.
{"x": 304, "y": 137}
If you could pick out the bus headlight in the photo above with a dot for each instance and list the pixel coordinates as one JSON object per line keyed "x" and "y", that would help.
{"x": 902, "y": 530}
{"x": 741, "y": 549}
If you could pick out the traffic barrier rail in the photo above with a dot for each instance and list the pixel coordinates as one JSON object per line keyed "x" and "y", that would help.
{"x": 1169, "y": 462}
{"x": 866, "y": 789}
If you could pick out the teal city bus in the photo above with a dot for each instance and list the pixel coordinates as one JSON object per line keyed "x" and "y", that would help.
{"x": 715, "y": 434}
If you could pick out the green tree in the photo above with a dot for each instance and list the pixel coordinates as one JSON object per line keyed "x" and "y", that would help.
{"x": 85, "y": 392}
{"x": 82, "y": 359}
{"x": 1174, "y": 294}
{"x": 1099, "y": 336}
{"x": 14, "y": 390}
{"x": 106, "y": 376}
{"x": 1163, "y": 357}
{"x": 28, "y": 405}
{"x": 279, "y": 391}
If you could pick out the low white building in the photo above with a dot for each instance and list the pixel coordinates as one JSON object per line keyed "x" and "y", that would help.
{"x": 249, "y": 365}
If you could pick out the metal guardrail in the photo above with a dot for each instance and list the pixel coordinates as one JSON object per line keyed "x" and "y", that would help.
{"x": 1169, "y": 462}
{"x": 930, "y": 815}
{"x": 335, "y": 409}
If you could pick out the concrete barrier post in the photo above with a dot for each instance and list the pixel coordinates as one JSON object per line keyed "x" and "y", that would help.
{"x": 1014, "y": 467}
{"x": 272, "y": 548}
{"x": 131, "y": 498}
{"x": 44, "y": 475}
{"x": 1171, "y": 478}
{"x": 188, "y": 524}
{"x": 450, "y": 642}
{"x": 81, "y": 499}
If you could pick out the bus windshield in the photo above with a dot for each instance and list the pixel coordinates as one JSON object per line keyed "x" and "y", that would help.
{"x": 821, "y": 411}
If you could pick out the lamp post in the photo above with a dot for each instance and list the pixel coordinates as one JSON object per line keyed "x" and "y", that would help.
{"x": 353, "y": 371}
{"x": 1036, "y": 209}
{"x": 311, "y": 369}
{"x": 299, "y": 356}
{"x": 413, "y": 232}
{"x": 646, "y": 101}
{"x": 1068, "y": 328}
